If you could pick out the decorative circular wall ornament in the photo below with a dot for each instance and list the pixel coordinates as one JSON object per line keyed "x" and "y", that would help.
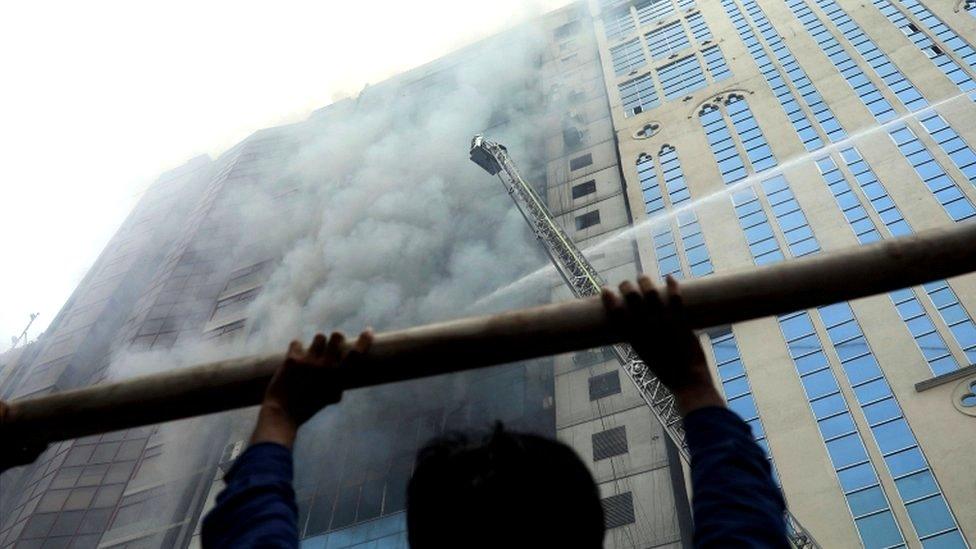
{"x": 648, "y": 130}
{"x": 964, "y": 396}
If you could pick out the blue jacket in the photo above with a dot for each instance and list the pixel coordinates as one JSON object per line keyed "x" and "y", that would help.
{"x": 734, "y": 499}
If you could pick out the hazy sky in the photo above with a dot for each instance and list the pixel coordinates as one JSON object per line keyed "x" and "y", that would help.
{"x": 100, "y": 97}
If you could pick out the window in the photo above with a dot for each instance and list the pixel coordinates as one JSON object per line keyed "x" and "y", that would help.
{"x": 715, "y": 63}
{"x": 667, "y": 40}
{"x": 681, "y": 77}
{"x": 618, "y": 23}
{"x": 855, "y": 472}
{"x": 789, "y": 216}
{"x": 956, "y": 317}
{"x": 698, "y": 27}
{"x": 650, "y": 189}
{"x": 609, "y": 443}
{"x": 958, "y": 151}
{"x": 583, "y": 189}
{"x": 719, "y": 138}
{"x": 925, "y": 43}
{"x": 650, "y": 11}
{"x": 735, "y": 382}
{"x": 638, "y": 95}
{"x": 942, "y": 187}
{"x": 566, "y": 30}
{"x": 627, "y": 57}
{"x": 618, "y": 510}
{"x": 889, "y": 428}
{"x": 604, "y": 385}
{"x": 753, "y": 141}
{"x": 862, "y": 86}
{"x": 587, "y": 220}
{"x": 580, "y": 161}
{"x": 775, "y": 77}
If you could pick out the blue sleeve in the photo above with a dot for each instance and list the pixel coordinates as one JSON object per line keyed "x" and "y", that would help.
{"x": 257, "y": 508}
{"x": 735, "y": 502}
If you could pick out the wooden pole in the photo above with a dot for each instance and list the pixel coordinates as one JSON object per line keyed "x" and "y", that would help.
{"x": 482, "y": 341}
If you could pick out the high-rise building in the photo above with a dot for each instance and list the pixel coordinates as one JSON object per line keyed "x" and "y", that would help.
{"x": 668, "y": 137}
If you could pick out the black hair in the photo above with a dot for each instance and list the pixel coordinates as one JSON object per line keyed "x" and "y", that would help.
{"x": 505, "y": 489}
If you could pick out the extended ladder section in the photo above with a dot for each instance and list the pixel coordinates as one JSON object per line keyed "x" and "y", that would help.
{"x": 585, "y": 281}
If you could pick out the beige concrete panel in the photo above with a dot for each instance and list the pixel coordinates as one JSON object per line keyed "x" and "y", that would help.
{"x": 604, "y": 155}
{"x": 809, "y": 483}
{"x": 613, "y": 216}
{"x": 573, "y": 404}
{"x": 829, "y": 225}
{"x": 646, "y": 448}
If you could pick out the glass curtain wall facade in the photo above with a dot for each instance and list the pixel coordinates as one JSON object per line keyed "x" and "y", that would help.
{"x": 840, "y": 124}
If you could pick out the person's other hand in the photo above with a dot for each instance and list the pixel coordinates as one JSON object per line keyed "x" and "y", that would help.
{"x": 659, "y": 332}
{"x": 304, "y": 384}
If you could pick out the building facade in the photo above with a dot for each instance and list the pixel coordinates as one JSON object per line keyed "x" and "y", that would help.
{"x": 668, "y": 137}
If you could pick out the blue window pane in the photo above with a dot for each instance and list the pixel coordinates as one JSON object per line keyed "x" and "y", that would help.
{"x": 872, "y": 391}
{"x": 744, "y": 406}
{"x": 856, "y": 477}
{"x": 731, "y": 369}
{"x": 804, "y": 345}
{"x": 836, "y": 426}
{"x": 846, "y": 451}
{"x": 835, "y": 314}
{"x": 819, "y": 384}
{"x": 915, "y": 486}
{"x": 796, "y": 327}
{"x": 879, "y": 530}
{"x": 893, "y": 436}
{"x": 736, "y": 387}
{"x": 828, "y": 406}
{"x": 811, "y": 362}
{"x": 906, "y": 461}
{"x": 867, "y": 501}
{"x": 882, "y": 411}
{"x": 862, "y": 369}
{"x": 930, "y": 516}
{"x": 852, "y": 348}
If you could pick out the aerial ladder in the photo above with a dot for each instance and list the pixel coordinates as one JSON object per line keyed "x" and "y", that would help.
{"x": 584, "y": 281}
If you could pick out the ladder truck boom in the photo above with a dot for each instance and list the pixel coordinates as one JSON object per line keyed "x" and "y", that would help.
{"x": 584, "y": 280}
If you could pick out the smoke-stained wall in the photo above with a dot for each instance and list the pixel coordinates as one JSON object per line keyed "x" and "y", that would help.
{"x": 369, "y": 213}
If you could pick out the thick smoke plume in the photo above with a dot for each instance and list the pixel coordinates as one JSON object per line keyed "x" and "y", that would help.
{"x": 387, "y": 224}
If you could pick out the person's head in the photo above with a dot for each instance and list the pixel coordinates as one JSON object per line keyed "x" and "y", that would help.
{"x": 505, "y": 490}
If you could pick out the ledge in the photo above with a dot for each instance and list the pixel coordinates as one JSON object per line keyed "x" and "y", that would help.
{"x": 945, "y": 378}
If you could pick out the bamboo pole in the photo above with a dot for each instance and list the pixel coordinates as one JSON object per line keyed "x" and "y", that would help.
{"x": 487, "y": 340}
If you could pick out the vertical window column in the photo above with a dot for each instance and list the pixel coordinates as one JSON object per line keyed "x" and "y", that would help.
{"x": 794, "y": 73}
{"x": 736, "y": 387}
{"x": 688, "y": 229}
{"x": 924, "y": 43}
{"x": 912, "y": 313}
{"x": 856, "y": 474}
{"x": 801, "y": 124}
{"x": 927, "y": 508}
{"x": 943, "y": 188}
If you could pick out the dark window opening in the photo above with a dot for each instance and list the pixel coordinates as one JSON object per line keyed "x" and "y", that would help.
{"x": 581, "y": 161}
{"x": 609, "y": 443}
{"x": 618, "y": 510}
{"x": 584, "y": 189}
{"x": 587, "y": 220}
{"x": 605, "y": 385}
